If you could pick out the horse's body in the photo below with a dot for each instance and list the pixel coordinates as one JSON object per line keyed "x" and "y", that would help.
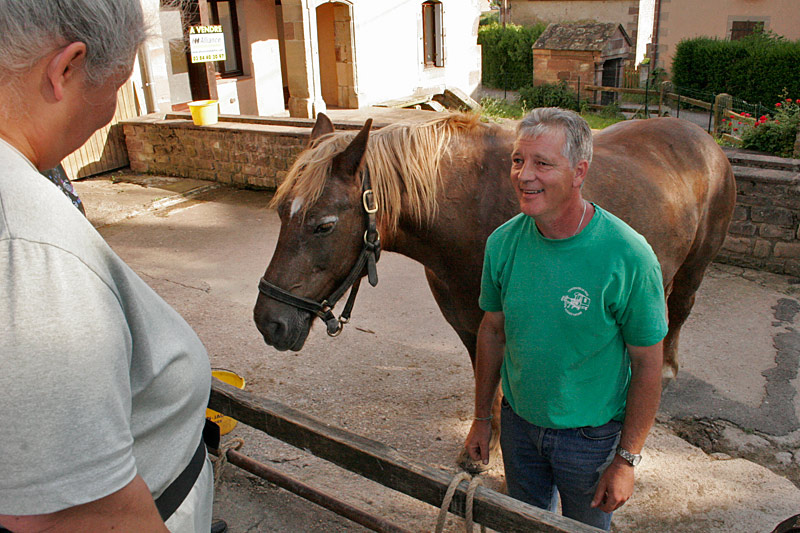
{"x": 665, "y": 177}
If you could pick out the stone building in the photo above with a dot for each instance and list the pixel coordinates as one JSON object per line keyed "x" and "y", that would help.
{"x": 299, "y": 57}
{"x": 581, "y": 54}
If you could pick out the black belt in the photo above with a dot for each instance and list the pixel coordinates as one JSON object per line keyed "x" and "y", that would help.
{"x": 173, "y": 497}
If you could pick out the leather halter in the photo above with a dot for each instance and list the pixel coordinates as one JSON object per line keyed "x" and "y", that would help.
{"x": 369, "y": 256}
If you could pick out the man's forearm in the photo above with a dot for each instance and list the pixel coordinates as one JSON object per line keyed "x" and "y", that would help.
{"x": 644, "y": 395}
{"x": 489, "y": 359}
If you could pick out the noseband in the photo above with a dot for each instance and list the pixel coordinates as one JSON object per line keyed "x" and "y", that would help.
{"x": 369, "y": 256}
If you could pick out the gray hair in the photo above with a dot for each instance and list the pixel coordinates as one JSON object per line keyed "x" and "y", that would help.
{"x": 113, "y": 31}
{"x": 577, "y": 133}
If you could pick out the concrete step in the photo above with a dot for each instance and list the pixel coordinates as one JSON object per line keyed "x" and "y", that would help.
{"x": 743, "y": 158}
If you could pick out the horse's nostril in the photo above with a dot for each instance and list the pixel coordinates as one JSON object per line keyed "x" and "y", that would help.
{"x": 275, "y": 330}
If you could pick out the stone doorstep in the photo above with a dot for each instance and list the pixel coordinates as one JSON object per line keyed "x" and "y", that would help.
{"x": 745, "y": 159}
{"x": 769, "y": 175}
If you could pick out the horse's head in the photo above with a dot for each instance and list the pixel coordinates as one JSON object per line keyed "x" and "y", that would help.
{"x": 321, "y": 240}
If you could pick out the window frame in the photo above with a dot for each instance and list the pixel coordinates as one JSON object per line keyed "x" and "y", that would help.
{"x": 434, "y": 9}
{"x": 213, "y": 15}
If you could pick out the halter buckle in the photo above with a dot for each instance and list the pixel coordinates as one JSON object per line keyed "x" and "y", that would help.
{"x": 368, "y": 199}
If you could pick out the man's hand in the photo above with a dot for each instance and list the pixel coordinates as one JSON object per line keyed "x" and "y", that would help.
{"x": 477, "y": 443}
{"x": 615, "y": 486}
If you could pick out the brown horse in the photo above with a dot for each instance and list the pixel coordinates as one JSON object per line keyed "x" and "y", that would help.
{"x": 440, "y": 188}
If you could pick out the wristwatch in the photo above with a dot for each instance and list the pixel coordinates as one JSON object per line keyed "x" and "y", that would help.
{"x": 632, "y": 458}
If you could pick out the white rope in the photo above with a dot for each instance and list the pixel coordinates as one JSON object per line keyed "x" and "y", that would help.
{"x": 222, "y": 459}
{"x": 448, "y": 497}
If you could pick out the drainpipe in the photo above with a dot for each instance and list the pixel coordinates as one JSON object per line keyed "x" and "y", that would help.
{"x": 656, "y": 24}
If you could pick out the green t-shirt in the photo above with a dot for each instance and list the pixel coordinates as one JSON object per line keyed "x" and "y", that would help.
{"x": 570, "y": 307}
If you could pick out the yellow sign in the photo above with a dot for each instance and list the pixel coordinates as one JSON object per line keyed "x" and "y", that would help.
{"x": 206, "y": 43}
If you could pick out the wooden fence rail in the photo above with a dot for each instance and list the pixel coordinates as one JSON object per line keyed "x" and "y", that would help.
{"x": 672, "y": 96}
{"x": 383, "y": 464}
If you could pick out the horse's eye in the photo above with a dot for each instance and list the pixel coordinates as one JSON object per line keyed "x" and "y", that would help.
{"x": 325, "y": 227}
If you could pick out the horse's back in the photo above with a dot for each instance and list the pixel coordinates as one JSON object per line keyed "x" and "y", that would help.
{"x": 670, "y": 181}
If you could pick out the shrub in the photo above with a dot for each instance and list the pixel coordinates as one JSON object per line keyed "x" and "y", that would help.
{"x": 777, "y": 135}
{"x": 507, "y": 54}
{"x": 549, "y": 95}
{"x": 489, "y": 18}
{"x": 757, "y": 69}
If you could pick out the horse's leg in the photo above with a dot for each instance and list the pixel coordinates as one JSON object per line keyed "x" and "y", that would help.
{"x": 466, "y": 327}
{"x": 679, "y": 304}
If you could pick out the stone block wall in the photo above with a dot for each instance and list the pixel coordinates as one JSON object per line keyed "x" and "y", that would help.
{"x": 248, "y": 151}
{"x": 765, "y": 230}
{"x": 555, "y": 66}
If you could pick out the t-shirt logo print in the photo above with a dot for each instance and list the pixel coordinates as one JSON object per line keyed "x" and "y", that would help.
{"x": 576, "y": 301}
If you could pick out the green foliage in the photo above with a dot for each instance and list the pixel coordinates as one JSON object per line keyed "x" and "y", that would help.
{"x": 507, "y": 54}
{"x": 499, "y": 108}
{"x": 757, "y": 69}
{"x": 494, "y": 109}
{"x": 491, "y": 17}
{"x": 549, "y": 95}
{"x": 777, "y": 135}
{"x": 597, "y": 121}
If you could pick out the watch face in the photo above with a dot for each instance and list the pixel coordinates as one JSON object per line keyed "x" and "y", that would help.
{"x": 635, "y": 459}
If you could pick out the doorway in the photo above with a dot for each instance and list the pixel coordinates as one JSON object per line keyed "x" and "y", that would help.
{"x": 336, "y": 64}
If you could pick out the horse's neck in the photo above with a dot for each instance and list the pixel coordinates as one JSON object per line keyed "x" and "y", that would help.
{"x": 474, "y": 198}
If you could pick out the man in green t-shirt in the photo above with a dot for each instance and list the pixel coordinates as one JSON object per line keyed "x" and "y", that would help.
{"x": 573, "y": 327}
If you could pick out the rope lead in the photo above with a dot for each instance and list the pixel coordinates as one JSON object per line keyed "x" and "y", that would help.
{"x": 448, "y": 497}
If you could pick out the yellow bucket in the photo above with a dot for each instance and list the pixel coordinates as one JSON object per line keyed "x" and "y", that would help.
{"x": 225, "y": 423}
{"x": 204, "y": 112}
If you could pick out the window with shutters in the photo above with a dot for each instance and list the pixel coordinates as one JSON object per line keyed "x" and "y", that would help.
{"x": 432, "y": 34}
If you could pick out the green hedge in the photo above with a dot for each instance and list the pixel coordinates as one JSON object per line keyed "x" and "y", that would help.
{"x": 758, "y": 69}
{"x": 507, "y": 54}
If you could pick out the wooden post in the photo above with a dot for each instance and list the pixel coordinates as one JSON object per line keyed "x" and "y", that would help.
{"x": 722, "y": 102}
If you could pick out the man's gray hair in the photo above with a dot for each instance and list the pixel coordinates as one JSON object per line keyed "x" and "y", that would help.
{"x": 113, "y": 31}
{"x": 577, "y": 133}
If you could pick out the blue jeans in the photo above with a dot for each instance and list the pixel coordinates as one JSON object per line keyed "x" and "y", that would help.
{"x": 541, "y": 464}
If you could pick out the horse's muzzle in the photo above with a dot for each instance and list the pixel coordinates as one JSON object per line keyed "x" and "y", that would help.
{"x": 284, "y": 329}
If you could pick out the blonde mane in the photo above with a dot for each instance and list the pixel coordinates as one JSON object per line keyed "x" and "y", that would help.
{"x": 403, "y": 160}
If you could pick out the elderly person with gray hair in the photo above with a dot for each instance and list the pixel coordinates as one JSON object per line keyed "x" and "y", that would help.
{"x": 573, "y": 325}
{"x": 103, "y": 386}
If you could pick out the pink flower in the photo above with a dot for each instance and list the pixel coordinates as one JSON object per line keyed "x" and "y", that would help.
{"x": 789, "y": 100}
{"x": 797, "y": 101}
{"x": 735, "y": 129}
{"x": 778, "y": 104}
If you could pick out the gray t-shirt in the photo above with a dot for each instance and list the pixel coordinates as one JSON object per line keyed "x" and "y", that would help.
{"x": 100, "y": 379}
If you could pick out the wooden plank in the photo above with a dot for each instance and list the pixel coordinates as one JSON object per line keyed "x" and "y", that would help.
{"x": 691, "y": 101}
{"x": 381, "y": 463}
{"x": 616, "y": 89}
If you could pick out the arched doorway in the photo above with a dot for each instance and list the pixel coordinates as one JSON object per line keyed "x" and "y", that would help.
{"x": 336, "y": 64}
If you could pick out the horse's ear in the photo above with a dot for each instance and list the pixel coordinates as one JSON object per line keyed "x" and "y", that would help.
{"x": 348, "y": 161}
{"x": 322, "y": 126}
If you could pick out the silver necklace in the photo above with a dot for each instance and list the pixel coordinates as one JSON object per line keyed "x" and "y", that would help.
{"x": 581, "y": 222}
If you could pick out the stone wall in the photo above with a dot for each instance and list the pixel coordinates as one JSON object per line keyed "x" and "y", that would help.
{"x": 241, "y": 150}
{"x": 570, "y": 66}
{"x": 258, "y": 152}
{"x": 765, "y": 230}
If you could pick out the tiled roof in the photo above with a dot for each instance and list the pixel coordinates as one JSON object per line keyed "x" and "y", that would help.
{"x": 584, "y": 36}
